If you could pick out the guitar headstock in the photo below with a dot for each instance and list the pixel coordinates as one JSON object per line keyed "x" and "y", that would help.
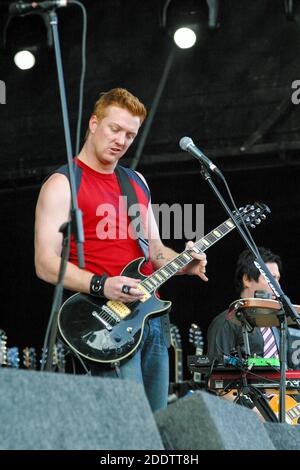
{"x": 3, "y": 348}
{"x": 13, "y": 359}
{"x": 196, "y": 338}
{"x": 61, "y": 356}
{"x": 175, "y": 336}
{"x": 252, "y": 214}
{"x": 176, "y": 344}
{"x": 44, "y": 355}
{"x": 29, "y": 358}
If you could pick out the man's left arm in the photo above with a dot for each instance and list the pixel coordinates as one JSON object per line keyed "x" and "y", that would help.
{"x": 161, "y": 254}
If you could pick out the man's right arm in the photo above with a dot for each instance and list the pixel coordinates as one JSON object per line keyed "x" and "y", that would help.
{"x": 53, "y": 209}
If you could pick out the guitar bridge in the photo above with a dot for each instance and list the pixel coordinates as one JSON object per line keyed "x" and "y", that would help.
{"x": 104, "y": 323}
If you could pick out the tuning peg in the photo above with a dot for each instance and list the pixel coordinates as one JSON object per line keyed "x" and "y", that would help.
{"x": 258, "y": 221}
{"x": 252, "y": 225}
{"x": 263, "y": 217}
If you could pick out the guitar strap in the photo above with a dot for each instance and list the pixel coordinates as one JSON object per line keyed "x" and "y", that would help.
{"x": 128, "y": 190}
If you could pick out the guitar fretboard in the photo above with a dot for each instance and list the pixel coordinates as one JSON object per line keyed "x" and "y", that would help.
{"x": 153, "y": 282}
{"x": 294, "y": 412}
{"x": 178, "y": 366}
{"x": 176, "y": 344}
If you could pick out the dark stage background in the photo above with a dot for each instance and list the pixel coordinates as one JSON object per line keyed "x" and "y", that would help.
{"x": 232, "y": 90}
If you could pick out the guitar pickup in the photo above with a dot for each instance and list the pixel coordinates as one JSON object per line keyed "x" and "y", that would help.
{"x": 118, "y": 308}
{"x": 147, "y": 295}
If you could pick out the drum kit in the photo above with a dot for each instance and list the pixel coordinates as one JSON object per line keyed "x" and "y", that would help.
{"x": 265, "y": 381}
{"x": 257, "y": 312}
{"x": 261, "y": 312}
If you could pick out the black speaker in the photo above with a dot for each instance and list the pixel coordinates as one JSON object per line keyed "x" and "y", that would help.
{"x": 284, "y": 436}
{"x": 206, "y": 422}
{"x": 40, "y": 410}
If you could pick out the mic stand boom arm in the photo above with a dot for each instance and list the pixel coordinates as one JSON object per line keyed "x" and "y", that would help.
{"x": 287, "y": 307}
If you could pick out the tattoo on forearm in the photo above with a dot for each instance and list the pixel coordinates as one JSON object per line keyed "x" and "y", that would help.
{"x": 160, "y": 256}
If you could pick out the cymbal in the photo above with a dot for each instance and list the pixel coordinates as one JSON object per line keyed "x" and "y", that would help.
{"x": 258, "y": 312}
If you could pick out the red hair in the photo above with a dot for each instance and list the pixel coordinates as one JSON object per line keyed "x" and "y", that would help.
{"x": 121, "y": 98}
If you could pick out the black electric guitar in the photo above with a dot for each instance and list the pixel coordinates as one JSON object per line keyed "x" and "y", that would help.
{"x": 108, "y": 331}
{"x": 177, "y": 347}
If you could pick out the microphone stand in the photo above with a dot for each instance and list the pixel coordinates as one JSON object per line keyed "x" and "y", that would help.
{"x": 75, "y": 221}
{"x": 287, "y": 307}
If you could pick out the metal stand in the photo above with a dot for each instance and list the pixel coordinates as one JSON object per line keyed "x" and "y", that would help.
{"x": 76, "y": 215}
{"x": 287, "y": 307}
{"x": 282, "y": 358}
{"x": 246, "y": 339}
{"x": 257, "y": 397}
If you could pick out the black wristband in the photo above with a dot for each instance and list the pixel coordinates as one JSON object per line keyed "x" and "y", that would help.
{"x": 97, "y": 285}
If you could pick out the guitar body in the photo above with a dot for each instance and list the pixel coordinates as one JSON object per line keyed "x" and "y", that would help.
{"x": 93, "y": 329}
{"x": 292, "y": 408}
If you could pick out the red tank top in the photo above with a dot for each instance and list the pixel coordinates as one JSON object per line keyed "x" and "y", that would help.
{"x": 109, "y": 242}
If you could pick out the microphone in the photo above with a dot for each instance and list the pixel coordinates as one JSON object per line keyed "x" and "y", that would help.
{"x": 22, "y": 8}
{"x": 187, "y": 144}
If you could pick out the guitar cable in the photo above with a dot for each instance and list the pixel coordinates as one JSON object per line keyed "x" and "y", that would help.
{"x": 88, "y": 372}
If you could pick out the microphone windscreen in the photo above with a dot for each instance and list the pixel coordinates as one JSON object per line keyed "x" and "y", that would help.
{"x": 185, "y": 142}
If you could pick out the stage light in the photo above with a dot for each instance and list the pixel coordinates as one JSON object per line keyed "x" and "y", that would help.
{"x": 185, "y": 37}
{"x": 24, "y": 60}
{"x": 27, "y": 40}
{"x": 186, "y": 21}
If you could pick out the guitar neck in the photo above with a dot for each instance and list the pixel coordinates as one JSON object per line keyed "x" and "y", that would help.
{"x": 294, "y": 413}
{"x": 157, "y": 279}
{"x": 178, "y": 366}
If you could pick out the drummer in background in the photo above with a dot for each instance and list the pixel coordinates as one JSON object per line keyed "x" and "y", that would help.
{"x": 225, "y": 337}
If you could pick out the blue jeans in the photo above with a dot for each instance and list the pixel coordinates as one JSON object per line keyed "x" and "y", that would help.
{"x": 149, "y": 366}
